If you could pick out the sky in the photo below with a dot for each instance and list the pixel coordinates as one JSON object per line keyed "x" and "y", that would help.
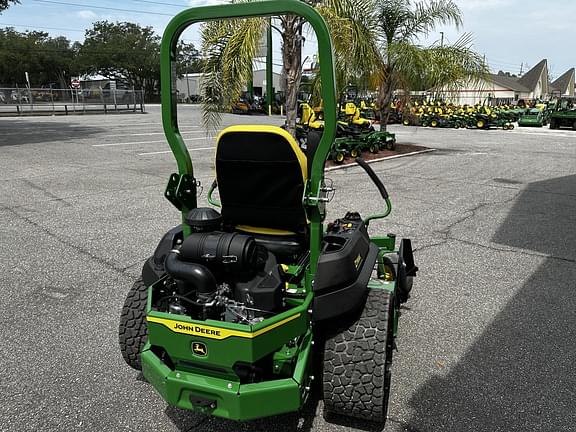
{"x": 513, "y": 34}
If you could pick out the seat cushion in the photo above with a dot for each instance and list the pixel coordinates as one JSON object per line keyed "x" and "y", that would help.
{"x": 261, "y": 175}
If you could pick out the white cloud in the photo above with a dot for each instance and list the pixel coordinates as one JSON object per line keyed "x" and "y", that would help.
{"x": 483, "y": 4}
{"x": 196, "y": 3}
{"x": 86, "y": 14}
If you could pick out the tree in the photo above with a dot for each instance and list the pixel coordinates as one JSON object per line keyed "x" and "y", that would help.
{"x": 5, "y": 4}
{"x": 407, "y": 65}
{"x": 47, "y": 60}
{"x": 231, "y": 45}
{"x": 122, "y": 51}
{"x": 188, "y": 59}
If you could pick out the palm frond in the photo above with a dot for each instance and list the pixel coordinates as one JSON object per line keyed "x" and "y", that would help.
{"x": 229, "y": 47}
{"x": 428, "y": 15}
{"x": 455, "y": 66}
{"x": 353, "y": 26}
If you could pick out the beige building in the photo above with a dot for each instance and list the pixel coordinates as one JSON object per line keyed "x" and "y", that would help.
{"x": 564, "y": 86}
{"x": 503, "y": 88}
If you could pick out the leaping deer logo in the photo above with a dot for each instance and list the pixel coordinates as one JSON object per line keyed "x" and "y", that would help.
{"x": 199, "y": 349}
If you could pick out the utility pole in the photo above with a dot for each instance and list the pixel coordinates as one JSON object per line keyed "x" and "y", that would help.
{"x": 521, "y": 68}
{"x": 442, "y": 40}
{"x": 269, "y": 71}
{"x": 188, "y": 84}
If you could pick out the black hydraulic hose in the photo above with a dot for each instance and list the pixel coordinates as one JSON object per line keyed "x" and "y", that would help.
{"x": 197, "y": 275}
{"x": 373, "y": 177}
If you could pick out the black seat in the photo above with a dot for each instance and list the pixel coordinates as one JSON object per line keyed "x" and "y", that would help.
{"x": 261, "y": 173}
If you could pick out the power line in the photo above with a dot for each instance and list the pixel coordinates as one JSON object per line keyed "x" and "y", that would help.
{"x": 160, "y": 3}
{"x": 103, "y": 7}
{"x": 41, "y": 27}
{"x": 187, "y": 41}
{"x": 63, "y": 50}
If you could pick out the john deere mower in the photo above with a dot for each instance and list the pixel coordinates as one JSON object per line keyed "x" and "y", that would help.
{"x": 351, "y": 117}
{"x": 533, "y": 118}
{"x": 487, "y": 118}
{"x": 242, "y": 311}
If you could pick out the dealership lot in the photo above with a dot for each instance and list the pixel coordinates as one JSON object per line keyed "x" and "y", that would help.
{"x": 486, "y": 343}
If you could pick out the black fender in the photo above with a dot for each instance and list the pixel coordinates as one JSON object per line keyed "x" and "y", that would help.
{"x": 153, "y": 269}
{"x": 403, "y": 267}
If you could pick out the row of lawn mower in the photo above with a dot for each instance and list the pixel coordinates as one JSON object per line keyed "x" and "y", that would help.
{"x": 558, "y": 113}
{"x": 441, "y": 115}
{"x": 354, "y": 135}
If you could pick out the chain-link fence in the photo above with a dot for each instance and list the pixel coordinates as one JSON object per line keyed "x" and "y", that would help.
{"x": 22, "y": 101}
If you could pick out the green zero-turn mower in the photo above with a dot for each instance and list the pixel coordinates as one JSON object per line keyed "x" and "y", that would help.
{"x": 242, "y": 313}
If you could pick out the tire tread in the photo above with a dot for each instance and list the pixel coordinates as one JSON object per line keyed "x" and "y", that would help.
{"x": 133, "y": 332}
{"x": 356, "y": 376}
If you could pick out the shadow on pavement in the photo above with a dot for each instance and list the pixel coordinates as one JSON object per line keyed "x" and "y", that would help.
{"x": 33, "y": 132}
{"x": 519, "y": 374}
{"x": 294, "y": 422}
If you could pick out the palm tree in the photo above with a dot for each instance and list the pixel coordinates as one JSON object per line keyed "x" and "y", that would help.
{"x": 231, "y": 45}
{"x": 5, "y": 4}
{"x": 407, "y": 65}
{"x": 375, "y": 41}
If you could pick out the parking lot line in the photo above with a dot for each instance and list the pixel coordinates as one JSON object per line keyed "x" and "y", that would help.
{"x": 142, "y": 142}
{"x": 542, "y": 132}
{"x": 170, "y": 151}
{"x": 151, "y": 133}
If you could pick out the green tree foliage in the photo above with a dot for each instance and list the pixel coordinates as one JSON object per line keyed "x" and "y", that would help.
{"x": 124, "y": 52}
{"x": 189, "y": 59}
{"x": 49, "y": 61}
{"x": 4, "y": 4}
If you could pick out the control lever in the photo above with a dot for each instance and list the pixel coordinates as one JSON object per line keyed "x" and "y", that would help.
{"x": 376, "y": 180}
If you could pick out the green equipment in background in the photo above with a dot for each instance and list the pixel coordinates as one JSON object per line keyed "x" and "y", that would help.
{"x": 533, "y": 117}
{"x": 563, "y": 113}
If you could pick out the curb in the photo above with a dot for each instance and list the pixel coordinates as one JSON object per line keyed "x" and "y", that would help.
{"x": 334, "y": 168}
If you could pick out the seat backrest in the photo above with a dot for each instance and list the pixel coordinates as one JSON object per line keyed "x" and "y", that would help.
{"x": 261, "y": 174}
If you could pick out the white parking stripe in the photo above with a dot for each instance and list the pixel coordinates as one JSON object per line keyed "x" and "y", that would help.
{"x": 540, "y": 132}
{"x": 143, "y": 142}
{"x": 170, "y": 151}
{"x": 150, "y": 133}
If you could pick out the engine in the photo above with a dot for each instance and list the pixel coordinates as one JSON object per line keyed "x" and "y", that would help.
{"x": 220, "y": 276}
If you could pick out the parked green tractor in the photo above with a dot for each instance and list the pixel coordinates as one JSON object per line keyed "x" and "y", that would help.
{"x": 563, "y": 113}
{"x": 492, "y": 120}
{"x": 354, "y": 144}
{"x": 241, "y": 313}
{"x": 533, "y": 118}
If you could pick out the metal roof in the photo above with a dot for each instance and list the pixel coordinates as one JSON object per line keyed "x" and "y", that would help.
{"x": 562, "y": 84}
{"x": 530, "y": 79}
{"x": 508, "y": 82}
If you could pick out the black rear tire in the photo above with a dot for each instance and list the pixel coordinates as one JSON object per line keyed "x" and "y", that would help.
{"x": 133, "y": 332}
{"x": 357, "y": 362}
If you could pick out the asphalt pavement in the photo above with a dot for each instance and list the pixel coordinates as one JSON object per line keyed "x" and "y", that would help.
{"x": 486, "y": 343}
